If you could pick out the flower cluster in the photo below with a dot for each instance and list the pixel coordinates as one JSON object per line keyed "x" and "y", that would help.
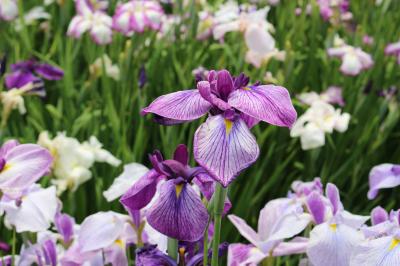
{"x": 320, "y": 118}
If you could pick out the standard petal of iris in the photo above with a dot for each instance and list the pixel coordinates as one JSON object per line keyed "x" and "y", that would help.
{"x": 332, "y": 244}
{"x": 383, "y": 176}
{"x": 182, "y": 105}
{"x": 25, "y": 164}
{"x": 178, "y": 212}
{"x": 268, "y": 103}
{"x": 241, "y": 254}
{"x": 377, "y": 252}
{"x": 224, "y": 148}
{"x": 132, "y": 172}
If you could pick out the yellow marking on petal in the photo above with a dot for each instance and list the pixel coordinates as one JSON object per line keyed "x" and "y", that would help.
{"x": 181, "y": 251}
{"x": 247, "y": 88}
{"x": 333, "y": 227}
{"x": 119, "y": 243}
{"x": 395, "y": 243}
{"x": 178, "y": 190}
{"x": 228, "y": 126}
{"x": 6, "y": 167}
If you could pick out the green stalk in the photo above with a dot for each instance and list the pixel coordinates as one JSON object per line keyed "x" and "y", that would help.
{"x": 220, "y": 194}
{"x": 173, "y": 248}
{"x": 14, "y": 243}
{"x": 205, "y": 245}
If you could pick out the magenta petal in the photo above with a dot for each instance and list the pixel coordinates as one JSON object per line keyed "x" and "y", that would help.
{"x": 178, "y": 212}
{"x": 224, "y": 84}
{"x": 19, "y": 78}
{"x": 142, "y": 192}
{"x": 332, "y": 192}
{"x": 316, "y": 207}
{"x": 181, "y": 154}
{"x": 182, "y": 105}
{"x": 268, "y": 103}
{"x": 250, "y": 121}
{"x": 49, "y": 72}
{"x": 224, "y": 148}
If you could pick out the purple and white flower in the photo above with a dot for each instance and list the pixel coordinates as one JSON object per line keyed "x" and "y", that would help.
{"x": 394, "y": 50}
{"x": 177, "y": 211}
{"x": 8, "y": 9}
{"x": 91, "y": 18}
{"x": 354, "y": 60}
{"x": 279, "y": 219}
{"x": 224, "y": 145}
{"x": 137, "y": 16}
{"x": 21, "y": 166}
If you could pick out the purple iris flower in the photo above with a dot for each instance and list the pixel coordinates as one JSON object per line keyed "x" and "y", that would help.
{"x": 65, "y": 226}
{"x": 177, "y": 211}
{"x": 21, "y": 165}
{"x": 224, "y": 145}
{"x": 25, "y": 72}
{"x": 42, "y": 253}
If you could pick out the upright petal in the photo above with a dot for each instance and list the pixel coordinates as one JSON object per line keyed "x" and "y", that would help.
{"x": 181, "y": 154}
{"x": 268, "y": 103}
{"x": 224, "y": 148}
{"x": 224, "y": 84}
{"x": 142, "y": 192}
{"x": 379, "y": 215}
{"x": 65, "y": 226}
{"x": 332, "y": 244}
{"x": 316, "y": 207}
{"x": 182, "y": 105}
{"x": 178, "y": 212}
{"x": 332, "y": 193}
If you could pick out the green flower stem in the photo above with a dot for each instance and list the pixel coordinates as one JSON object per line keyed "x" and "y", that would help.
{"x": 220, "y": 194}
{"x": 173, "y": 248}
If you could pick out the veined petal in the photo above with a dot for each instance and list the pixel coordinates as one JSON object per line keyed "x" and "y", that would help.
{"x": 131, "y": 174}
{"x": 99, "y": 231}
{"x": 25, "y": 164}
{"x": 224, "y": 148}
{"x": 332, "y": 244}
{"x": 182, "y": 105}
{"x": 241, "y": 254}
{"x": 245, "y": 230}
{"x": 178, "y": 212}
{"x": 142, "y": 192}
{"x": 383, "y": 251}
{"x": 297, "y": 245}
{"x": 268, "y": 103}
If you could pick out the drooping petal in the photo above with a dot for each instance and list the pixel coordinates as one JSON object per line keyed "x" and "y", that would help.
{"x": 130, "y": 175}
{"x": 297, "y": 245}
{"x": 268, "y": 103}
{"x": 141, "y": 193}
{"x": 377, "y": 252}
{"x": 332, "y": 244}
{"x": 35, "y": 213}
{"x": 241, "y": 254}
{"x": 25, "y": 164}
{"x": 383, "y": 176}
{"x": 224, "y": 148}
{"x": 19, "y": 78}
{"x": 49, "y": 72}
{"x": 245, "y": 230}
{"x": 99, "y": 231}
{"x": 151, "y": 256}
{"x": 178, "y": 212}
{"x": 182, "y": 105}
